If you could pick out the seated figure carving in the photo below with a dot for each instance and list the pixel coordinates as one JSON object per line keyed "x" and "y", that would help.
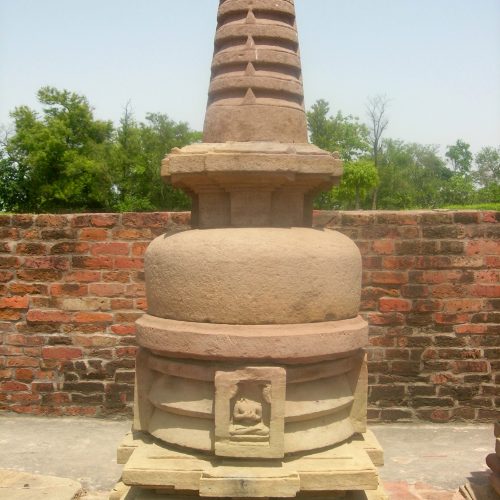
{"x": 247, "y": 419}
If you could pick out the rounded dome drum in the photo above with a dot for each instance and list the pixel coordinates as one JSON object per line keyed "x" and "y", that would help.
{"x": 254, "y": 276}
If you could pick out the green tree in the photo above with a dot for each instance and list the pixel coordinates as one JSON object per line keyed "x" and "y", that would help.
{"x": 136, "y": 158}
{"x": 487, "y": 166}
{"x": 460, "y": 157}
{"x": 459, "y": 190}
{"x": 56, "y": 161}
{"x": 359, "y": 179}
{"x": 342, "y": 133}
{"x": 412, "y": 176}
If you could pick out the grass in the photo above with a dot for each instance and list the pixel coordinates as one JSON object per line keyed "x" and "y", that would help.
{"x": 476, "y": 206}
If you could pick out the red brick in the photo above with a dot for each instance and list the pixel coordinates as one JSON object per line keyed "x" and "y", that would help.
{"x": 124, "y": 352}
{"x": 124, "y": 329}
{"x": 462, "y": 306}
{"x": 14, "y": 302}
{"x": 129, "y": 263}
{"x": 475, "y": 366}
{"x": 61, "y": 263}
{"x": 39, "y": 274}
{"x": 25, "y": 374}
{"x": 31, "y": 249}
{"x": 437, "y": 277}
{"x": 383, "y": 247}
{"x": 24, "y": 289}
{"x": 13, "y": 386}
{"x": 423, "y": 306}
{"x": 470, "y": 329}
{"x": 139, "y": 248}
{"x": 5, "y": 220}
{"x": 433, "y": 262}
{"x": 25, "y": 340}
{"x": 8, "y": 262}
{"x": 483, "y": 247}
{"x": 451, "y": 319}
{"x": 117, "y": 276}
{"x": 110, "y": 249}
{"x": 69, "y": 247}
{"x": 492, "y": 261}
{"x": 62, "y": 353}
{"x": 487, "y": 276}
{"x": 81, "y": 262}
{"x": 48, "y": 220}
{"x": 181, "y": 218}
{"x": 445, "y": 291}
{"x": 155, "y": 219}
{"x": 48, "y": 316}
{"x": 442, "y": 378}
{"x": 68, "y": 290}
{"x": 93, "y": 317}
{"x": 482, "y": 290}
{"x": 9, "y": 233}
{"x": 104, "y": 220}
{"x": 93, "y": 234}
{"x": 389, "y": 278}
{"x": 10, "y": 314}
{"x": 141, "y": 303}
{"x": 106, "y": 289}
{"x": 132, "y": 234}
{"x": 387, "y": 304}
{"x": 385, "y": 319}
{"x": 398, "y": 262}
{"x": 122, "y": 304}
{"x": 6, "y": 276}
{"x": 83, "y": 276}
{"x": 23, "y": 361}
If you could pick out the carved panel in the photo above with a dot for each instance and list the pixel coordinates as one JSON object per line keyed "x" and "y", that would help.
{"x": 249, "y": 413}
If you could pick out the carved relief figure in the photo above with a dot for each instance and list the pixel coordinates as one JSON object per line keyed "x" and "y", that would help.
{"x": 247, "y": 422}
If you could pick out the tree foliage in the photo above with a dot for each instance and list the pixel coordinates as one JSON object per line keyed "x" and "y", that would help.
{"x": 337, "y": 133}
{"x": 460, "y": 157}
{"x": 64, "y": 159}
{"x": 359, "y": 178}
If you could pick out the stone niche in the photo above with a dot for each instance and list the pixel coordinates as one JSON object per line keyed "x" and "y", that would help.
{"x": 251, "y": 373}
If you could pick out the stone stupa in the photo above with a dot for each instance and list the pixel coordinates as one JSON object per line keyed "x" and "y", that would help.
{"x": 251, "y": 374}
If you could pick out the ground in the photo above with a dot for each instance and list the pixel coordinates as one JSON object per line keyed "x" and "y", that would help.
{"x": 426, "y": 462}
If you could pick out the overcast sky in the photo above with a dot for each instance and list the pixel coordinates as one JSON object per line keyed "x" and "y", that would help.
{"x": 438, "y": 61}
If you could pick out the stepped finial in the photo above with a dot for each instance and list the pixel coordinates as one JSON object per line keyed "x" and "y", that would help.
{"x": 256, "y": 54}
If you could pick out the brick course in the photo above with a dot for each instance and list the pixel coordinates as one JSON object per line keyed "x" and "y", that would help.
{"x": 71, "y": 287}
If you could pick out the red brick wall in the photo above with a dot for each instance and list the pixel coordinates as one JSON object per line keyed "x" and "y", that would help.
{"x": 71, "y": 287}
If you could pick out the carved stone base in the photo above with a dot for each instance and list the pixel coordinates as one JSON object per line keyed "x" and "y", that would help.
{"x": 155, "y": 471}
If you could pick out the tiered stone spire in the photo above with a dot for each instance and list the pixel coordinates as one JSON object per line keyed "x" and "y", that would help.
{"x": 251, "y": 373}
{"x": 256, "y": 91}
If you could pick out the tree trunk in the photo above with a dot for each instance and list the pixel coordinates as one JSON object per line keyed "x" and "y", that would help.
{"x": 374, "y": 199}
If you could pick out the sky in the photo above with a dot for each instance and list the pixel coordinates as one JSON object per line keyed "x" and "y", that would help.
{"x": 437, "y": 61}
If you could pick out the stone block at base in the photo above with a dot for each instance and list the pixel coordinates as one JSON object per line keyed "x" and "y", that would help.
{"x": 122, "y": 492}
{"x": 161, "y": 472}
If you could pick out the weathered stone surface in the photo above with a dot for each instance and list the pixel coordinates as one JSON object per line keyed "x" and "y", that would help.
{"x": 290, "y": 344}
{"x": 343, "y": 468}
{"x": 256, "y": 89}
{"x": 320, "y": 407}
{"x": 250, "y": 413}
{"x": 254, "y": 276}
{"x": 15, "y": 485}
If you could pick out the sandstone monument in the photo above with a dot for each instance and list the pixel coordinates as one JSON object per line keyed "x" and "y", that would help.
{"x": 251, "y": 375}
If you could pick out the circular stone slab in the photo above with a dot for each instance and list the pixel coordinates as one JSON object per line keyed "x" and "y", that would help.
{"x": 279, "y": 343}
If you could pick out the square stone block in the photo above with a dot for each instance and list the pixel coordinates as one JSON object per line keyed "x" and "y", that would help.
{"x": 250, "y": 413}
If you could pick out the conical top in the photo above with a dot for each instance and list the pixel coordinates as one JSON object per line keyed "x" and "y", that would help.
{"x": 256, "y": 91}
